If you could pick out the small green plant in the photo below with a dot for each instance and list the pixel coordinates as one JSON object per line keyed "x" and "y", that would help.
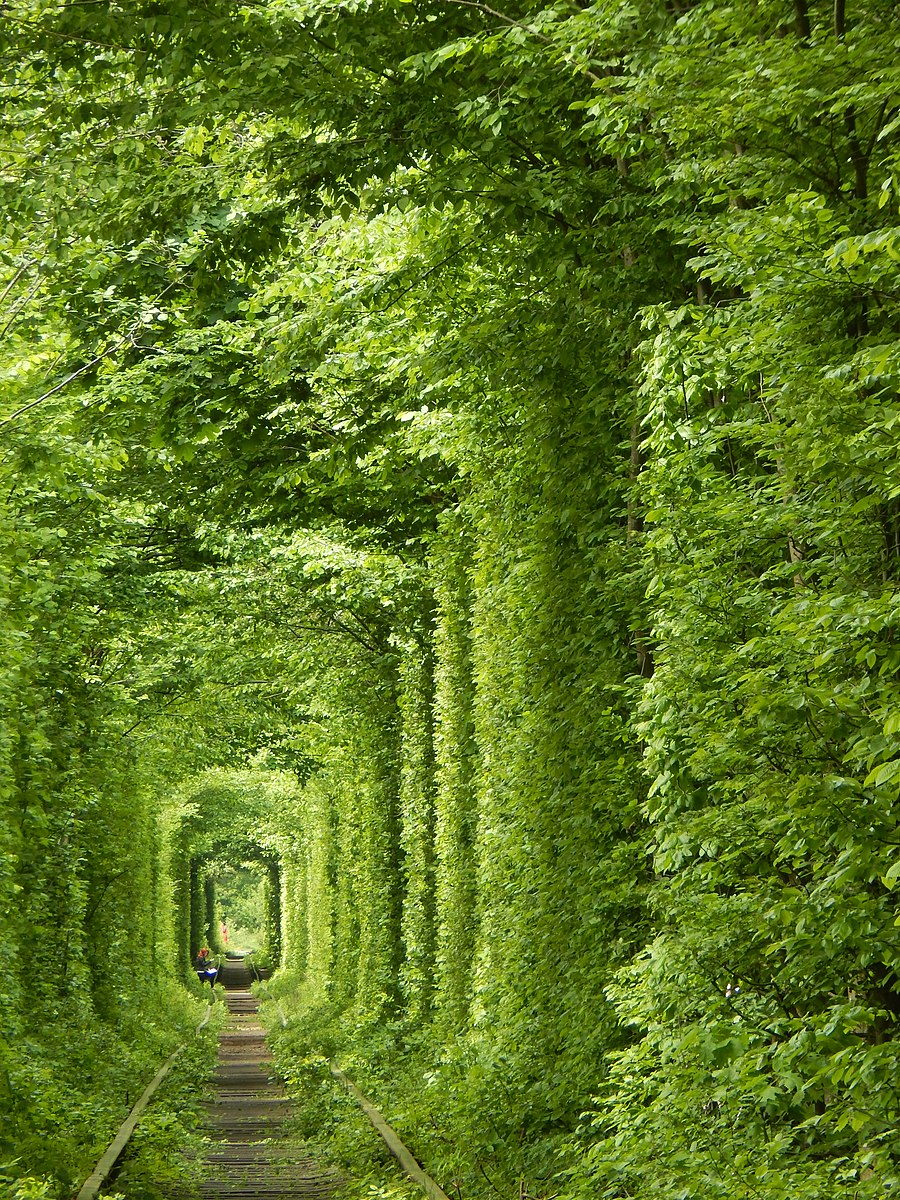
{"x": 32, "y": 1188}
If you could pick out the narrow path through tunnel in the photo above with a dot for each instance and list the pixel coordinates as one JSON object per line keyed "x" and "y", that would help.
{"x": 253, "y": 1155}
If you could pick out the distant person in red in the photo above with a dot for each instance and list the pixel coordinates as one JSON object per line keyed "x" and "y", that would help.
{"x": 224, "y": 934}
{"x": 203, "y": 965}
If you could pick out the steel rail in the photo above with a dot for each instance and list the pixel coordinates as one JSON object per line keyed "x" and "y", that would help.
{"x": 99, "y": 1175}
{"x": 389, "y": 1136}
{"x": 390, "y": 1139}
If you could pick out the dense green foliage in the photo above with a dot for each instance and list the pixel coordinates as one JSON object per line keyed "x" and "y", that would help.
{"x": 450, "y": 471}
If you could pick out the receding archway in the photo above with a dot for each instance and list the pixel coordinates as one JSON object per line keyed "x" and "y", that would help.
{"x": 231, "y": 877}
{"x": 229, "y": 849}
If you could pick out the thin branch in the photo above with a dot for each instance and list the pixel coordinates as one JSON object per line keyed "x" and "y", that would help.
{"x": 437, "y": 266}
{"x": 485, "y": 8}
{"x": 68, "y": 379}
{"x": 69, "y": 37}
{"x": 20, "y": 304}
{"x": 15, "y": 279}
{"x": 111, "y": 879}
{"x": 120, "y": 664}
{"x": 234, "y": 683}
{"x": 126, "y": 338}
{"x": 541, "y": 37}
{"x": 358, "y": 637}
{"x": 336, "y": 629}
{"x": 155, "y": 713}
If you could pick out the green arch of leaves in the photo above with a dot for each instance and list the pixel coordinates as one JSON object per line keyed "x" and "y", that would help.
{"x": 230, "y": 816}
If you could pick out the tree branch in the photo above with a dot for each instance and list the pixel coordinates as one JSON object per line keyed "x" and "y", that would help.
{"x": 15, "y": 279}
{"x": 19, "y": 304}
{"x": 541, "y": 37}
{"x": 68, "y": 379}
{"x": 111, "y": 349}
{"x": 69, "y": 37}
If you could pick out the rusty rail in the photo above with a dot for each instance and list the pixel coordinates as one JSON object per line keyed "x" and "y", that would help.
{"x": 99, "y": 1175}
{"x": 391, "y": 1140}
{"x": 388, "y": 1135}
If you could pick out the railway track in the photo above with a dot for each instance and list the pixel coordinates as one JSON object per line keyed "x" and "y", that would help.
{"x": 251, "y": 1154}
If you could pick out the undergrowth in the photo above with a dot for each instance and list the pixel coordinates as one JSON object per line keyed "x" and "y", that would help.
{"x": 327, "y": 1117}
{"x": 75, "y": 1080}
{"x": 426, "y": 1096}
{"x": 162, "y": 1153}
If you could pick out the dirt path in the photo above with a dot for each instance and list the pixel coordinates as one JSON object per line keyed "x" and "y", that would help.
{"x": 252, "y": 1157}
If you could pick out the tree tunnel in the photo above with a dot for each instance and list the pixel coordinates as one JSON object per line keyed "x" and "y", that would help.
{"x": 450, "y": 500}
{"x": 229, "y": 844}
{"x": 221, "y": 884}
